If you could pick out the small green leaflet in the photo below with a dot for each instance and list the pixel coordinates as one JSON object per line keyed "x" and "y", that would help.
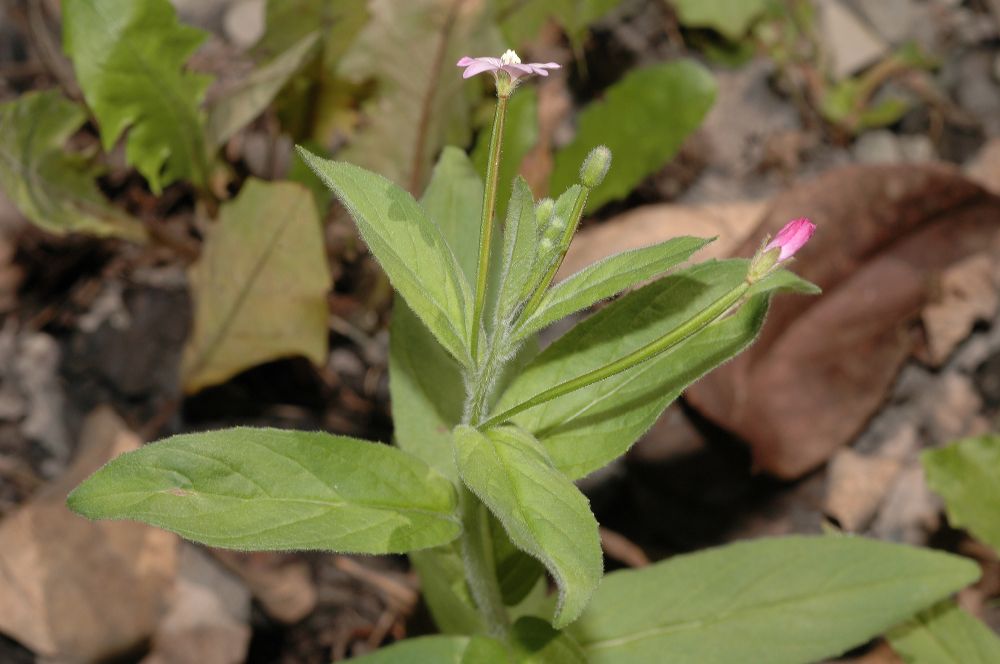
{"x": 53, "y": 188}
{"x": 410, "y": 248}
{"x": 945, "y": 634}
{"x": 129, "y": 59}
{"x": 520, "y": 251}
{"x": 967, "y": 475}
{"x": 542, "y": 511}
{"x": 276, "y": 490}
{"x": 791, "y": 600}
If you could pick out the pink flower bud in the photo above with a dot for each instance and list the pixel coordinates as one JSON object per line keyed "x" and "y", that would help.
{"x": 791, "y": 238}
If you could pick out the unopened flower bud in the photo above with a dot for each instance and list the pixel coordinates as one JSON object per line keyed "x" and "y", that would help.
{"x": 785, "y": 244}
{"x": 543, "y": 211}
{"x": 595, "y": 166}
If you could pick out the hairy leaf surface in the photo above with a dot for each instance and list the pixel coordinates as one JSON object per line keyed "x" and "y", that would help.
{"x": 543, "y": 512}
{"x": 270, "y": 489}
{"x": 791, "y": 600}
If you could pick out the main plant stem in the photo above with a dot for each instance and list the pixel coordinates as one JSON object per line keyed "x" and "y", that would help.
{"x": 689, "y": 327}
{"x": 480, "y": 566}
{"x": 486, "y": 225}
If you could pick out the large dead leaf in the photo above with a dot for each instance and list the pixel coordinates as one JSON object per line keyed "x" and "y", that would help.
{"x": 410, "y": 49}
{"x": 822, "y": 365}
{"x": 260, "y": 285}
{"x": 58, "y": 571}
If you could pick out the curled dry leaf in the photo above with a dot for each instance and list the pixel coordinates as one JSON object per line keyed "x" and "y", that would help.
{"x": 822, "y": 365}
{"x": 58, "y": 570}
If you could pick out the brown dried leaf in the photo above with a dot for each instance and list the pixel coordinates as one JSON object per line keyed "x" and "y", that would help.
{"x": 282, "y": 585}
{"x": 968, "y": 294}
{"x": 822, "y": 365}
{"x": 58, "y": 570}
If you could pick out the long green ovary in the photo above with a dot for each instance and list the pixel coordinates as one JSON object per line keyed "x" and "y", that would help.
{"x": 686, "y": 329}
{"x": 486, "y": 226}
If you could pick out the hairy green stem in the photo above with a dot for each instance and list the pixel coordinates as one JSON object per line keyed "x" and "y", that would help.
{"x": 571, "y": 224}
{"x": 480, "y": 567}
{"x": 689, "y": 327}
{"x": 486, "y": 225}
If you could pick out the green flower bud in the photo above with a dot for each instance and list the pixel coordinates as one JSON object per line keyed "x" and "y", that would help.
{"x": 595, "y": 166}
{"x": 543, "y": 211}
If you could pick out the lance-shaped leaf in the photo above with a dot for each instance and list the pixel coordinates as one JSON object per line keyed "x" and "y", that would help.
{"x": 629, "y": 119}
{"x": 945, "y": 634}
{"x": 259, "y": 287}
{"x": 53, "y": 188}
{"x": 410, "y": 49}
{"x": 270, "y": 490}
{"x": 443, "y": 649}
{"x": 544, "y": 513}
{"x": 408, "y": 245}
{"x": 239, "y": 105}
{"x": 520, "y": 250}
{"x": 588, "y": 428}
{"x": 609, "y": 277}
{"x": 426, "y": 384}
{"x": 536, "y": 642}
{"x": 445, "y": 591}
{"x": 791, "y": 600}
{"x": 967, "y": 475}
{"x": 129, "y": 59}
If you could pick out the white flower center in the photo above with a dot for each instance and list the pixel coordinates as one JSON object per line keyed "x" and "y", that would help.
{"x": 510, "y": 58}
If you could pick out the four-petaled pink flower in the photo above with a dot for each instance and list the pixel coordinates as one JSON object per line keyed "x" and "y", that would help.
{"x": 508, "y": 63}
{"x": 791, "y": 238}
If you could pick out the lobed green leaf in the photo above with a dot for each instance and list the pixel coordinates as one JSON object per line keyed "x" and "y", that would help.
{"x": 409, "y": 246}
{"x": 129, "y": 59}
{"x": 543, "y": 513}
{"x": 275, "y": 490}
{"x": 791, "y": 600}
{"x": 945, "y": 634}
{"x": 967, "y": 475}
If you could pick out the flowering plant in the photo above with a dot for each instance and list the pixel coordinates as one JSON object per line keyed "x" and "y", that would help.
{"x": 492, "y": 432}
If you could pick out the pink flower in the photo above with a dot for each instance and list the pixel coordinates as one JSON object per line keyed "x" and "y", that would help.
{"x": 508, "y": 63}
{"x": 791, "y": 238}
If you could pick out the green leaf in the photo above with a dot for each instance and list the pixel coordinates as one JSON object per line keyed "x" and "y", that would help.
{"x": 410, "y": 49}
{"x": 443, "y": 586}
{"x": 521, "y": 21}
{"x": 544, "y": 514}
{"x": 643, "y": 118}
{"x": 288, "y": 22}
{"x": 588, "y": 428}
{"x": 519, "y": 137}
{"x": 520, "y": 251}
{"x": 271, "y": 490}
{"x": 427, "y": 391}
{"x": 967, "y": 475}
{"x": 409, "y": 246}
{"x": 129, "y": 59}
{"x": 259, "y": 287}
{"x": 454, "y": 201}
{"x": 609, "y": 277}
{"x": 53, "y": 188}
{"x": 772, "y": 601}
{"x": 535, "y": 642}
{"x": 945, "y": 634}
{"x": 239, "y": 105}
{"x": 440, "y": 650}
{"x": 517, "y": 572}
{"x": 730, "y": 18}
